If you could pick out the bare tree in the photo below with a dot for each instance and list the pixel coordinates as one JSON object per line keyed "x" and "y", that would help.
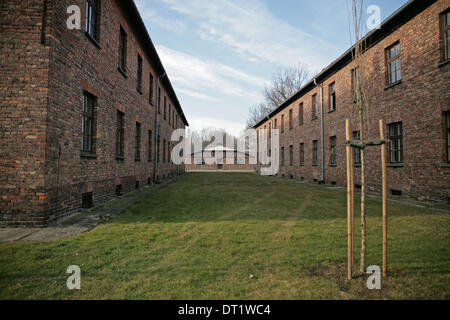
{"x": 284, "y": 85}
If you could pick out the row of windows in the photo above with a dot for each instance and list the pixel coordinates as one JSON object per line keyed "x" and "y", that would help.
{"x": 395, "y": 147}
{"x": 92, "y": 29}
{"x": 88, "y": 134}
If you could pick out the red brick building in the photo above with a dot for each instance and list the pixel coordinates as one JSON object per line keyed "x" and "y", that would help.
{"x": 81, "y": 115}
{"x": 406, "y": 75}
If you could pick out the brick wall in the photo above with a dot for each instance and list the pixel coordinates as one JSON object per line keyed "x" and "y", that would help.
{"x": 41, "y": 130}
{"x": 419, "y": 102}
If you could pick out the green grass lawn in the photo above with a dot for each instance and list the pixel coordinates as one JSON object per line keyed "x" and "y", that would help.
{"x": 203, "y": 236}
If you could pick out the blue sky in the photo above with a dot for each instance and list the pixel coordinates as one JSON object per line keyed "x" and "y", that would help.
{"x": 220, "y": 54}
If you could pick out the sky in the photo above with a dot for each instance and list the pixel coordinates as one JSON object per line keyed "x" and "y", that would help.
{"x": 220, "y": 54}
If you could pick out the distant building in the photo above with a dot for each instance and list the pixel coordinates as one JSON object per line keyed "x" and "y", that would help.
{"x": 205, "y": 160}
{"x": 79, "y": 121}
{"x": 406, "y": 75}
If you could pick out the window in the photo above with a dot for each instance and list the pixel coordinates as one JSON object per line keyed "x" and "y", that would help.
{"x": 122, "y": 50}
{"x": 91, "y": 27}
{"x": 150, "y": 90}
{"x": 290, "y": 119}
{"x": 150, "y": 144}
{"x": 139, "y": 74}
{"x": 170, "y": 115}
{"x": 282, "y": 123}
{"x": 165, "y": 108}
{"x": 291, "y": 155}
{"x": 158, "y": 143}
{"x": 396, "y": 142}
{"x": 300, "y": 114}
{"x": 168, "y": 151}
{"x": 159, "y": 99}
{"x": 447, "y": 129}
{"x": 355, "y": 82}
{"x": 314, "y": 106}
{"x": 164, "y": 150}
{"x": 302, "y": 154}
{"x": 282, "y": 156}
{"x": 315, "y": 152}
{"x": 137, "y": 155}
{"x": 275, "y": 126}
{"x": 445, "y": 23}
{"x": 356, "y": 151}
{"x": 120, "y": 134}
{"x": 333, "y": 154}
{"x": 87, "y": 200}
{"x": 332, "y": 92}
{"x": 394, "y": 73}
{"x": 88, "y": 123}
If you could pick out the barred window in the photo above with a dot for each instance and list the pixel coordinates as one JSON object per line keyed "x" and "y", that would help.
{"x": 164, "y": 150}
{"x": 356, "y": 151}
{"x": 165, "y": 108}
{"x": 150, "y": 145}
{"x": 282, "y": 156}
{"x": 291, "y": 155}
{"x": 396, "y": 142}
{"x": 393, "y": 64}
{"x": 91, "y": 26}
{"x": 447, "y": 129}
{"x": 88, "y": 123}
{"x": 122, "y": 50}
{"x": 138, "y": 142}
{"x": 300, "y": 114}
{"x": 314, "y": 106}
{"x": 355, "y": 82}
{"x": 332, "y": 91}
{"x": 333, "y": 153}
{"x": 120, "y": 134}
{"x": 315, "y": 152}
{"x": 139, "y": 74}
{"x": 290, "y": 119}
{"x": 150, "y": 89}
{"x": 302, "y": 154}
{"x": 445, "y": 31}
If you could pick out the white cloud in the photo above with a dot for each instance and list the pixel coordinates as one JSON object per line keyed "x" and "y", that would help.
{"x": 233, "y": 127}
{"x": 191, "y": 73}
{"x": 156, "y": 18}
{"x": 252, "y": 31}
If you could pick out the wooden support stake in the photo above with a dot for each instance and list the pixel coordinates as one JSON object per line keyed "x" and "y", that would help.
{"x": 384, "y": 194}
{"x": 349, "y": 204}
{"x": 352, "y": 185}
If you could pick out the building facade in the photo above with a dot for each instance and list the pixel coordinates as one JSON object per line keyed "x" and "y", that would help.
{"x": 405, "y": 72}
{"x": 86, "y": 114}
{"x": 219, "y": 159}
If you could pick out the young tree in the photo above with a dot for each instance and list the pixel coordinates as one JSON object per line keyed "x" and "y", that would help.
{"x": 361, "y": 109}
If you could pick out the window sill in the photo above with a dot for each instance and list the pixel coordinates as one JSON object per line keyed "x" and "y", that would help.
{"x": 315, "y": 165}
{"x": 314, "y": 118}
{"x": 331, "y": 111}
{"x": 300, "y": 124}
{"x": 95, "y": 42}
{"x": 445, "y": 165}
{"x": 357, "y": 166}
{"x": 139, "y": 90}
{"x": 332, "y": 165}
{"x": 395, "y": 165}
{"x": 88, "y": 155}
{"x": 120, "y": 158}
{"x": 151, "y": 103}
{"x": 443, "y": 63}
{"x": 392, "y": 85}
{"x": 122, "y": 72}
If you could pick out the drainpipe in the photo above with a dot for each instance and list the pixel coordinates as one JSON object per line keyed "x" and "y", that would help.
{"x": 322, "y": 140}
{"x": 158, "y": 96}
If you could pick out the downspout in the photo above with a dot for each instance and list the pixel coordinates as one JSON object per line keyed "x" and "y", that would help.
{"x": 158, "y": 96}
{"x": 322, "y": 140}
